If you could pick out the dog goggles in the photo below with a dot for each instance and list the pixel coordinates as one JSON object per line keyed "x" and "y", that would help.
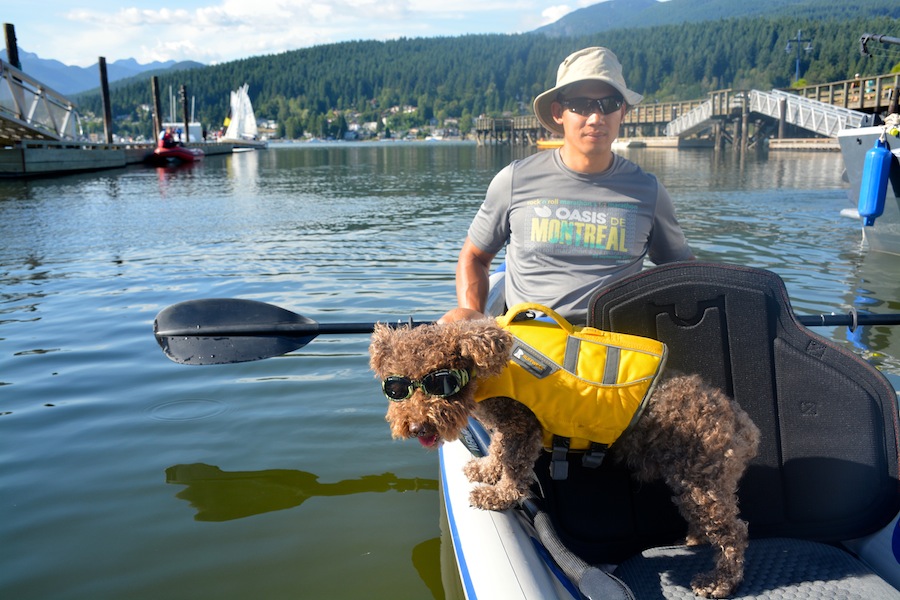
{"x": 588, "y": 106}
{"x": 442, "y": 383}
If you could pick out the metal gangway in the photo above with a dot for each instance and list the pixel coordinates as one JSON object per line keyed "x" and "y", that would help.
{"x": 694, "y": 120}
{"x": 29, "y": 110}
{"x": 819, "y": 117}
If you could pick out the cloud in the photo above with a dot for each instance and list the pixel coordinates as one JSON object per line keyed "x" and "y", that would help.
{"x": 552, "y": 14}
{"x": 213, "y": 31}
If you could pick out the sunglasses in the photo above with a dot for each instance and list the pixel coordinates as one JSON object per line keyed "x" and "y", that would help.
{"x": 442, "y": 383}
{"x": 588, "y": 106}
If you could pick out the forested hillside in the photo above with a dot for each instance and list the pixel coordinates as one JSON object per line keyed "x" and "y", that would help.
{"x": 633, "y": 14}
{"x": 317, "y": 89}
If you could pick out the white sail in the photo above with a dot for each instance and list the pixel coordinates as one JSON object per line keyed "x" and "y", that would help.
{"x": 242, "y": 122}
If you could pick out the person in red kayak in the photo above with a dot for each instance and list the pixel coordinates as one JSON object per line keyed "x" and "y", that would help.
{"x": 166, "y": 138}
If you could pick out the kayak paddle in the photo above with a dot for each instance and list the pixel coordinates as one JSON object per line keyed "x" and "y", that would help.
{"x": 217, "y": 331}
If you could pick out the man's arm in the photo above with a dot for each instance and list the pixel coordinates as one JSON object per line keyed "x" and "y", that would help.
{"x": 473, "y": 270}
{"x": 472, "y": 283}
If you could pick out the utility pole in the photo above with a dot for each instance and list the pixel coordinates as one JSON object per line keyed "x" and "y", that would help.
{"x": 800, "y": 48}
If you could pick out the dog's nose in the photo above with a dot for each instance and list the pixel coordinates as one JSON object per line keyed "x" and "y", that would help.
{"x": 415, "y": 429}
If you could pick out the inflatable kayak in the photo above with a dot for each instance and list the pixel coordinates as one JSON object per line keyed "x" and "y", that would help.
{"x": 175, "y": 154}
{"x": 821, "y": 498}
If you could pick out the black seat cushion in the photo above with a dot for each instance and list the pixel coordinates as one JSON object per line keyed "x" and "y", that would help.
{"x": 788, "y": 569}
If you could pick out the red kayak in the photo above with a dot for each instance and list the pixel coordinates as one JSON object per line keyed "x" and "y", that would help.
{"x": 164, "y": 156}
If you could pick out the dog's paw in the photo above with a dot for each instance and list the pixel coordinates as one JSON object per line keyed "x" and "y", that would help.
{"x": 708, "y": 585}
{"x": 483, "y": 470}
{"x": 489, "y": 497}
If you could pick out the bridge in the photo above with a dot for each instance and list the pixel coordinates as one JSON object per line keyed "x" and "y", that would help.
{"x": 820, "y": 118}
{"x": 29, "y": 110}
{"x": 813, "y": 115}
{"x": 732, "y": 116}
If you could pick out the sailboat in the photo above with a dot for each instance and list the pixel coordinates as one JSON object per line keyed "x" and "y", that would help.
{"x": 240, "y": 124}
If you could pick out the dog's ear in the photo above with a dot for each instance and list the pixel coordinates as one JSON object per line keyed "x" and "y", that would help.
{"x": 487, "y": 344}
{"x": 379, "y": 346}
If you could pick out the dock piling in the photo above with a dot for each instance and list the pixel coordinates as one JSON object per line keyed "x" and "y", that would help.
{"x": 12, "y": 47}
{"x": 184, "y": 111}
{"x": 104, "y": 93}
{"x": 157, "y": 114}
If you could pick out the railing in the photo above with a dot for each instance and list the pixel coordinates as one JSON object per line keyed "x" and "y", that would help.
{"x": 691, "y": 121}
{"x": 863, "y": 93}
{"x": 813, "y": 115}
{"x": 31, "y": 110}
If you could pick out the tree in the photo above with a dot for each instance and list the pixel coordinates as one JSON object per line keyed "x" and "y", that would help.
{"x": 450, "y": 77}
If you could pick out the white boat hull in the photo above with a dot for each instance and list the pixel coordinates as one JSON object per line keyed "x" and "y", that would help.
{"x": 884, "y": 235}
{"x": 497, "y": 552}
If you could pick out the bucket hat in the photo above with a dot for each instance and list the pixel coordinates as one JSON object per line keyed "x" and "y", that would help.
{"x": 588, "y": 64}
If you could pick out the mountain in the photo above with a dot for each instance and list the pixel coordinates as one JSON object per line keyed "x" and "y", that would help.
{"x": 634, "y": 14}
{"x": 613, "y": 14}
{"x": 68, "y": 80}
{"x": 620, "y": 15}
{"x": 315, "y": 89}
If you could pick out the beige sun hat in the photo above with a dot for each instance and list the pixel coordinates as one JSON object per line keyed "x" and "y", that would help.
{"x": 597, "y": 64}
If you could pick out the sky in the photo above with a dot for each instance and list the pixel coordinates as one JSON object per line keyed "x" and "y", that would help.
{"x": 77, "y": 32}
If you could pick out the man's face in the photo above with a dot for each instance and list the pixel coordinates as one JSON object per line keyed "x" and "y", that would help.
{"x": 590, "y": 134}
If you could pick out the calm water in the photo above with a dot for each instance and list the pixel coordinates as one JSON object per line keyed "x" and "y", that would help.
{"x": 124, "y": 475}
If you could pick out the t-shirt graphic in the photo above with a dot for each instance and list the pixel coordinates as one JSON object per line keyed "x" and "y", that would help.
{"x": 572, "y": 227}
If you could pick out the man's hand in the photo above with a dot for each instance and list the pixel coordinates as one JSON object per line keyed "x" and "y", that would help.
{"x": 461, "y": 314}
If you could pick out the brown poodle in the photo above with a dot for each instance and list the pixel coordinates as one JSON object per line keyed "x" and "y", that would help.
{"x": 691, "y": 435}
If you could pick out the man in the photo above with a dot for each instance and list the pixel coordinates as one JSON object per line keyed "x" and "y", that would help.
{"x": 573, "y": 219}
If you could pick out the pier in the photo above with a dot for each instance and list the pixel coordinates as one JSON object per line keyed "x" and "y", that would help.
{"x": 33, "y": 158}
{"x": 40, "y": 133}
{"x": 737, "y": 117}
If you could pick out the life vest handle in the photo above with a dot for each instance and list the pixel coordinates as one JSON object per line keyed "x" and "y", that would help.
{"x": 522, "y": 307}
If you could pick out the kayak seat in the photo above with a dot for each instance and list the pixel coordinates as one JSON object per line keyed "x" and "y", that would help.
{"x": 783, "y": 568}
{"x": 827, "y": 468}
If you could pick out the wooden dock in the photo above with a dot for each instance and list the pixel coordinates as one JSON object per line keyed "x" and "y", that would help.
{"x": 36, "y": 158}
{"x": 806, "y": 144}
{"x": 40, "y": 132}
{"x": 648, "y": 120}
{"x": 523, "y": 130}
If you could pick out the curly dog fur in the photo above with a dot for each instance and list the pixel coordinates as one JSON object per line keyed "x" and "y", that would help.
{"x": 691, "y": 435}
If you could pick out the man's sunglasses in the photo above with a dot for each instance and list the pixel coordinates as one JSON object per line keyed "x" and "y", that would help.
{"x": 588, "y": 106}
{"x": 443, "y": 383}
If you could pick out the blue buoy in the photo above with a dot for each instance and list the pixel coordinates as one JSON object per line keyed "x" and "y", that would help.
{"x": 876, "y": 171}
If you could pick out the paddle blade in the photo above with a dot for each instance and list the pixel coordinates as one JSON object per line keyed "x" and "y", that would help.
{"x": 218, "y": 331}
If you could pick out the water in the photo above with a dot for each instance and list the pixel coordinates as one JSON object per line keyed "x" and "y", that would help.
{"x": 123, "y": 474}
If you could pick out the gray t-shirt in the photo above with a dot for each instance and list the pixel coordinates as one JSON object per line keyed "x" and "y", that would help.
{"x": 570, "y": 233}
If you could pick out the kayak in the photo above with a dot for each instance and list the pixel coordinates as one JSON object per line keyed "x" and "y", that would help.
{"x": 824, "y": 540}
{"x": 175, "y": 154}
{"x": 822, "y": 496}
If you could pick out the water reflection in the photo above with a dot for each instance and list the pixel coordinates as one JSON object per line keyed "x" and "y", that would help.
{"x": 687, "y": 170}
{"x": 426, "y": 558}
{"x": 219, "y": 495}
{"x": 874, "y": 288}
{"x": 346, "y": 232}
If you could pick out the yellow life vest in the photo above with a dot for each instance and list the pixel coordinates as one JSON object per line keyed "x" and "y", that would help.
{"x": 582, "y": 383}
